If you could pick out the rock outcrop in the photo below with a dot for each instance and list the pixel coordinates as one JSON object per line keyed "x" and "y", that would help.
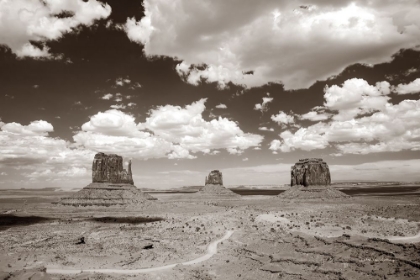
{"x": 215, "y": 178}
{"x": 310, "y": 172}
{"x": 313, "y": 193}
{"x": 311, "y": 179}
{"x": 214, "y": 189}
{"x": 109, "y": 169}
{"x": 111, "y": 185}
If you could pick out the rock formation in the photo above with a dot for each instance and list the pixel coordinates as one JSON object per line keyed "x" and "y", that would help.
{"x": 313, "y": 193}
{"x": 109, "y": 169}
{"x": 214, "y": 189}
{"x": 310, "y": 172}
{"x": 215, "y": 178}
{"x": 111, "y": 185}
{"x": 311, "y": 179}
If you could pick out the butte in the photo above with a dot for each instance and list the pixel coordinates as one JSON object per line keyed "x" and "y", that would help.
{"x": 111, "y": 185}
{"x": 311, "y": 179}
{"x": 214, "y": 189}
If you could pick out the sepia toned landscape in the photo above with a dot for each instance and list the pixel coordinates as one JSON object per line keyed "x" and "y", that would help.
{"x": 209, "y": 139}
{"x": 311, "y": 230}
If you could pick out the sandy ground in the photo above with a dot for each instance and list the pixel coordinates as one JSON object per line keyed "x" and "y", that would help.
{"x": 362, "y": 238}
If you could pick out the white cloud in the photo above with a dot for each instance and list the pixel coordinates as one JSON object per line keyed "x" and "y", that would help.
{"x": 39, "y": 128}
{"x": 114, "y": 123}
{"x": 186, "y": 127}
{"x": 118, "y": 106}
{"x": 221, "y": 106}
{"x": 283, "y": 119}
{"x": 413, "y": 87}
{"x": 22, "y": 21}
{"x": 315, "y": 116}
{"x": 387, "y": 128}
{"x": 107, "y": 96}
{"x": 175, "y": 132}
{"x": 136, "y": 85}
{"x": 226, "y": 41}
{"x": 113, "y": 131}
{"x": 245, "y": 159}
{"x": 118, "y": 97}
{"x": 356, "y": 97}
{"x": 306, "y": 139}
{"x": 28, "y": 147}
{"x": 263, "y": 128}
{"x": 30, "y": 50}
{"x": 263, "y": 107}
{"x": 122, "y": 81}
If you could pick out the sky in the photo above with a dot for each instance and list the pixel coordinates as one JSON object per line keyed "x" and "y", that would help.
{"x": 185, "y": 87}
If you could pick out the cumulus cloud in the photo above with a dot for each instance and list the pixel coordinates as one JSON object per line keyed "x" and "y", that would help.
{"x": 169, "y": 131}
{"x": 356, "y": 97}
{"x": 23, "y": 21}
{"x": 315, "y": 116}
{"x": 221, "y": 106}
{"x": 118, "y": 106}
{"x": 35, "y": 128}
{"x": 114, "y": 131}
{"x": 263, "y": 128}
{"x": 186, "y": 127}
{"x": 122, "y": 81}
{"x": 29, "y": 148}
{"x": 263, "y": 107}
{"x": 413, "y": 87}
{"x": 364, "y": 122}
{"x": 107, "y": 96}
{"x": 227, "y": 41}
{"x": 283, "y": 119}
{"x": 114, "y": 123}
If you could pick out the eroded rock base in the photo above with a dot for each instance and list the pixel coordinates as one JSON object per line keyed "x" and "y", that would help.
{"x": 216, "y": 192}
{"x": 104, "y": 194}
{"x": 314, "y": 192}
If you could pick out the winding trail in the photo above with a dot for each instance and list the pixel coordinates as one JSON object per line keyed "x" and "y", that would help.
{"x": 211, "y": 250}
{"x": 405, "y": 239}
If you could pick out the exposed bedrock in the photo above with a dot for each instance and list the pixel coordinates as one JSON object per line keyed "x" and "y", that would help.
{"x": 310, "y": 172}
{"x": 215, "y": 178}
{"x": 109, "y": 169}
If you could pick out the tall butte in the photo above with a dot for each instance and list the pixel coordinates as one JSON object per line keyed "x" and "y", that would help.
{"x": 111, "y": 185}
{"x": 311, "y": 179}
{"x": 108, "y": 169}
{"x": 310, "y": 172}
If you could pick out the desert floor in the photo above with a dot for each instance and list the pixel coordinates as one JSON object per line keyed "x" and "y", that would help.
{"x": 252, "y": 237}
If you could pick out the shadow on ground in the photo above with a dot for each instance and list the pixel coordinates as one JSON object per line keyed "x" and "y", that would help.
{"x": 127, "y": 220}
{"x": 8, "y": 221}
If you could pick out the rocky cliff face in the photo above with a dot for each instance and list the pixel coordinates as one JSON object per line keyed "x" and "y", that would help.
{"x": 310, "y": 172}
{"x": 215, "y": 178}
{"x": 109, "y": 169}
